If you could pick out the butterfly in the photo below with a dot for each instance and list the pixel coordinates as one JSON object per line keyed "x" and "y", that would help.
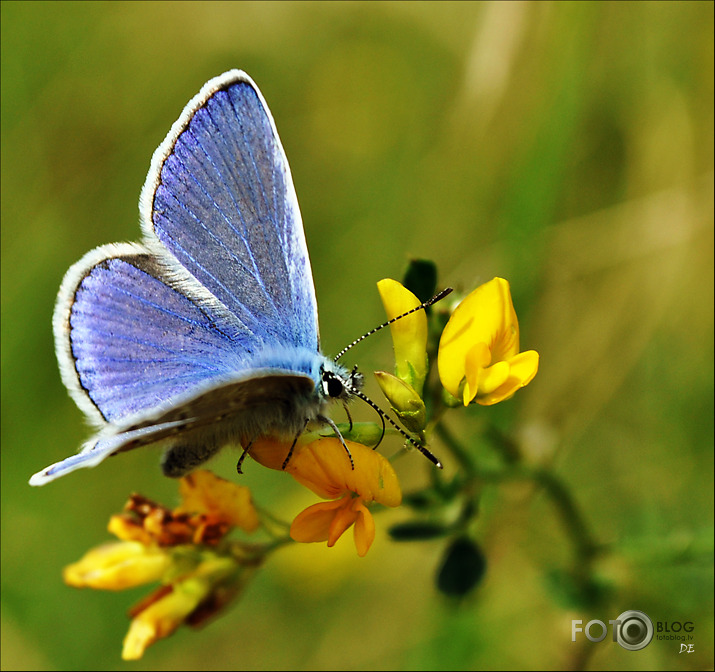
{"x": 205, "y": 333}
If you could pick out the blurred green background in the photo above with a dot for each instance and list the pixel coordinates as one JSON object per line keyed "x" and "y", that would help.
{"x": 566, "y": 146}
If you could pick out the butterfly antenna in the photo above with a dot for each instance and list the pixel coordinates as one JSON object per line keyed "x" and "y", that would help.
{"x": 434, "y": 299}
{"x": 384, "y": 417}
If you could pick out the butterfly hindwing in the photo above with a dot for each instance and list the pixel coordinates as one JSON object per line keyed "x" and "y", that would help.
{"x": 208, "y": 418}
{"x": 128, "y": 341}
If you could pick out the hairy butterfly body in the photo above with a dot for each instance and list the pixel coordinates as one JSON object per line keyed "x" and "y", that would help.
{"x": 205, "y": 333}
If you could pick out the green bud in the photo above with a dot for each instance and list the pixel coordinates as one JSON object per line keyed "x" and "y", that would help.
{"x": 405, "y": 401}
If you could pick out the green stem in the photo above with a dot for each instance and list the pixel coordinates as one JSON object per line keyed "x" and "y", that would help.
{"x": 247, "y": 553}
{"x": 505, "y": 445}
{"x": 457, "y": 449}
{"x": 585, "y": 546}
{"x": 577, "y": 531}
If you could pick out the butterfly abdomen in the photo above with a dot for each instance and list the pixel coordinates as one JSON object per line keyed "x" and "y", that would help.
{"x": 275, "y": 405}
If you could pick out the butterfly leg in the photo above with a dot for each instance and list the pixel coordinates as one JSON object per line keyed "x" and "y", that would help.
{"x": 328, "y": 421}
{"x": 382, "y": 436}
{"x": 292, "y": 446}
{"x": 239, "y": 469}
{"x": 350, "y": 417}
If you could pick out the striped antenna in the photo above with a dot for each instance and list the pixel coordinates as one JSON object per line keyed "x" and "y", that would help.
{"x": 423, "y": 449}
{"x": 434, "y": 299}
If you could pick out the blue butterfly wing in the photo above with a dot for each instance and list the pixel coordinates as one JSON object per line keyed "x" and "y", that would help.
{"x": 196, "y": 414}
{"x": 154, "y": 338}
{"x": 98, "y": 449}
{"x": 220, "y": 198}
{"x": 223, "y": 273}
{"x": 127, "y": 340}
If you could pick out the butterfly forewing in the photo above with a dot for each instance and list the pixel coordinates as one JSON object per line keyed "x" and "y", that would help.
{"x": 220, "y": 198}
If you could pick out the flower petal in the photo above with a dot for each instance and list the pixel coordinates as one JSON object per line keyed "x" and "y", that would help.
{"x": 321, "y": 466}
{"x": 324, "y": 467}
{"x": 485, "y": 316}
{"x": 524, "y": 366}
{"x": 327, "y": 521}
{"x": 364, "y": 531}
{"x": 522, "y": 369}
{"x": 269, "y": 451}
{"x": 494, "y": 377}
{"x": 163, "y": 617}
{"x": 344, "y": 517}
{"x": 409, "y": 334}
{"x": 128, "y": 528}
{"x": 313, "y": 524}
{"x": 118, "y": 565}
{"x": 476, "y": 360}
{"x": 204, "y": 492}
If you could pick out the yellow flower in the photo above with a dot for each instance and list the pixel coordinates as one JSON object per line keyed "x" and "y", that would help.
{"x": 118, "y": 565}
{"x": 182, "y": 549}
{"x": 205, "y": 493}
{"x": 409, "y": 334}
{"x": 479, "y": 358}
{"x": 323, "y": 467}
{"x": 166, "y": 609}
{"x": 163, "y": 614}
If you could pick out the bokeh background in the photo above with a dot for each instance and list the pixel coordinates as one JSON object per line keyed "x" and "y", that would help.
{"x": 566, "y": 146}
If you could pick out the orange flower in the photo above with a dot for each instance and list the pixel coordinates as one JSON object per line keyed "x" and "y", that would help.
{"x": 324, "y": 467}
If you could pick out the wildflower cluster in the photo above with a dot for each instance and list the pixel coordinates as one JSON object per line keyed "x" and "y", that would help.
{"x": 187, "y": 550}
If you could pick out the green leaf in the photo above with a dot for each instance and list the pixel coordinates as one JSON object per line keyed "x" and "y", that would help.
{"x": 417, "y": 531}
{"x": 462, "y": 569}
{"x": 421, "y": 279}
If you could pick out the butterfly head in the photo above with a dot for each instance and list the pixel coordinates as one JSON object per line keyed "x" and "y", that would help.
{"x": 339, "y": 384}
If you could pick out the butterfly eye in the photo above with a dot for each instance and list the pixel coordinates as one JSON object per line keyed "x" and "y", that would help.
{"x": 332, "y": 385}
